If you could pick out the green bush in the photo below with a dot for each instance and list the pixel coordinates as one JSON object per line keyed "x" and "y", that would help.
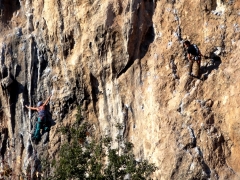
{"x": 82, "y": 159}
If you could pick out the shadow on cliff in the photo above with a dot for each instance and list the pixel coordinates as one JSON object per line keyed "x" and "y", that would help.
{"x": 4, "y": 137}
{"x": 49, "y": 123}
{"x": 8, "y": 8}
{"x": 213, "y": 63}
{"x": 12, "y": 92}
{"x": 95, "y": 91}
{"x": 140, "y": 38}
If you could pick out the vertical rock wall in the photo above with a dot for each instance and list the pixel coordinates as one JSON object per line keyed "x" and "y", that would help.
{"x": 124, "y": 62}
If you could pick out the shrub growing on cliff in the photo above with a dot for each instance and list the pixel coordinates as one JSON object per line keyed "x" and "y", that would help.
{"x": 82, "y": 159}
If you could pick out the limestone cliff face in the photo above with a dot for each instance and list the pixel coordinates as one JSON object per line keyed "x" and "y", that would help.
{"x": 124, "y": 62}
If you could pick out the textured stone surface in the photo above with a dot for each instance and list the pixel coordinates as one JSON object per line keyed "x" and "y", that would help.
{"x": 125, "y": 63}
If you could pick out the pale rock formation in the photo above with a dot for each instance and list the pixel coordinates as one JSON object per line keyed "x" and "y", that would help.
{"x": 123, "y": 61}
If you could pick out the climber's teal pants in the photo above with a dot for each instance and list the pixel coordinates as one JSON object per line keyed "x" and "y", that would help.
{"x": 38, "y": 127}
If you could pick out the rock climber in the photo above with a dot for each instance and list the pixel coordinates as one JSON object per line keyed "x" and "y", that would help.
{"x": 41, "y": 120}
{"x": 193, "y": 54}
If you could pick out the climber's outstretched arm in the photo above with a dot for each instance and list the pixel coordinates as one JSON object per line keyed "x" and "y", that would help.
{"x": 45, "y": 103}
{"x": 32, "y": 108}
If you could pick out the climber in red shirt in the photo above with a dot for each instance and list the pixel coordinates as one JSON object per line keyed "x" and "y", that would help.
{"x": 41, "y": 120}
